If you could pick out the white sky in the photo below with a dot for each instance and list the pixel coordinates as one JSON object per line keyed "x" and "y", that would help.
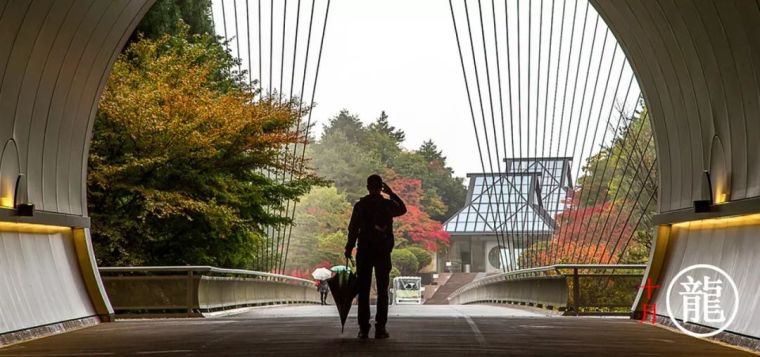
{"x": 401, "y": 57}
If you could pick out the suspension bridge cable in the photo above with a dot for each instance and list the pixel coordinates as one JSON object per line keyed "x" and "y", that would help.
{"x": 547, "y": 255}
{"x": 279, "y": 99}
{"x": 563, "y": 228}
{"x": 301, "y": 100}
{"x": 495, "y": 139}
{"x": 540, "y": 183}
{"x": 292, "y": 77}
{"x": 531, "y": 232}
{"x": 295, "y": 48}
{"x": 261, "y": 73}
{"x": 614, "y": 137}
{"x": 507, "y": 169}
{"x": 248, "y": 38}
{"x": 237, "y": 33}
{"x": 482, "y": 110}
{"x": 467, "y": 86}
{"x": 271, "y": 44}
{"x": 282, "y": 51}
{"x": 224, "y": 24}
{"x": 625, "y": 169}
{"x": 636, "y": 227}
{"x": 506, "y": 205}
{"x": 560, "y": 188}
{"x": 588, "y": 119}
{"x": 564, "y": 100}
{"x": 609, "y": 119}
{"x": 308, "y": 121}
{"x": 638, "y": 196}
{"x": 279, "y": 233}
{"x": 522, "y": 236}
{"x": 630, "y": 187}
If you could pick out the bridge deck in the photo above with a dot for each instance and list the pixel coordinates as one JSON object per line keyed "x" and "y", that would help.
{"x": 424, "y": 330}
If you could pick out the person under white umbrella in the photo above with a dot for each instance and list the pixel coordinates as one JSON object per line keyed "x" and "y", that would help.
{"x": 322, "y": 274}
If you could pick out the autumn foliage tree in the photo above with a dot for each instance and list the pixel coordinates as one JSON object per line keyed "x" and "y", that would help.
{"x": 178, "y": 158}
{"x": 416, "y": 227}
{"x": 585, "y": 235}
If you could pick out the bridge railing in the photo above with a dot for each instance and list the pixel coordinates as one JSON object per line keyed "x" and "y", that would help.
{"x": 575, "y": 289}
{"x": 195, "y": 291}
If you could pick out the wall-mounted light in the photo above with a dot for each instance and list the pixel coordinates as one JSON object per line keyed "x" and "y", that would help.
{"x": 706, "y": 200}
{"x": 20, "y": 198}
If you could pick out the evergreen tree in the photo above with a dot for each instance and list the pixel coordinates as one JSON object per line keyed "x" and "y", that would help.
{"x": 164, "y": 16}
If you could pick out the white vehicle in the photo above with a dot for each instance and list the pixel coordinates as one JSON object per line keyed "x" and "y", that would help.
{"x": 407, "y": 290}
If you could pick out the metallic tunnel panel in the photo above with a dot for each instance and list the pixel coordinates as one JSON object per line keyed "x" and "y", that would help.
{"x": 40, "y": 280}
{"x": 55, "y": 57}
{"x": 696, "y": 62}
{"x": 731, "y": 247}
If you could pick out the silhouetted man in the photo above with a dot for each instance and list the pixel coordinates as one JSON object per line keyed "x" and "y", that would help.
{"x": 372, "y": 225}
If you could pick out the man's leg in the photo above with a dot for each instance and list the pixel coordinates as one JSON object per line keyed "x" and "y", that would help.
{"x": 382, "y": 277}
{"x": 364, "y": 282}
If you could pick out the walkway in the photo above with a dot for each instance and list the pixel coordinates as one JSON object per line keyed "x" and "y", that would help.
{"x": 442, "y": 330}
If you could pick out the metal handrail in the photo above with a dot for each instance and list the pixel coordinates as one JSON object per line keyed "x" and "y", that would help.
{"x": 548, "y": 271}
{"x": 204, "y": 269}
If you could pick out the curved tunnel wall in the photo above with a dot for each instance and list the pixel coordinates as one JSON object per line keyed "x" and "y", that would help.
{"x": 698, "y": 64}
{"x": 55, "y": 56}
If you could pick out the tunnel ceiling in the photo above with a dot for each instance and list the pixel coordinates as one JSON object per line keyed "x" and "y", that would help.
{"x": 55, "y": 57}
{"x": 696, "y": 62}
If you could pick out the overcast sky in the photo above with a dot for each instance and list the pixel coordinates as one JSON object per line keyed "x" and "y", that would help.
{"x": 401, "y": 56}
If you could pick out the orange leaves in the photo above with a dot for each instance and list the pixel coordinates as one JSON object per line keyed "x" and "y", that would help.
{"x": 416, "y": 226}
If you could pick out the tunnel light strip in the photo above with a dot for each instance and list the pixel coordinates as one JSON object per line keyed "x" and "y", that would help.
{"x": 32, "y": 228}
{"x": 721, "y": 222}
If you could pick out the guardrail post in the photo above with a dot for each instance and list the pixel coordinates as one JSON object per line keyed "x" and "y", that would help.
{"x": 576, "y": 291}
{"x": 189, "y": 293}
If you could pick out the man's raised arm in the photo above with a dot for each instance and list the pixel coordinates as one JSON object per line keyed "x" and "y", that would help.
{"x": 398, "y": 207}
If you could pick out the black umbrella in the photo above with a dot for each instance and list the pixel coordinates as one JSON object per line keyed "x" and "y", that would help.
{"x": 343, "y": 289}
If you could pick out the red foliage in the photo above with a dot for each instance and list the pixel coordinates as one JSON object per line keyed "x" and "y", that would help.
{"x": 587, "y": 234}
{"x": 416, "y": 226}
{"x": 306, "y": 274}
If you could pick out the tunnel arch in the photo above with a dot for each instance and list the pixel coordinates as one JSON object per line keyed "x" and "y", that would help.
{"x": 695, "y": 61}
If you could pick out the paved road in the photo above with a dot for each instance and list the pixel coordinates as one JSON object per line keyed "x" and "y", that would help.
{"x": 443, "y": 330}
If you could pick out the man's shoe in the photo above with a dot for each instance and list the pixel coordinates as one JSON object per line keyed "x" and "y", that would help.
{"x": 363, "y": 335}
{"x": 381, "y": 333}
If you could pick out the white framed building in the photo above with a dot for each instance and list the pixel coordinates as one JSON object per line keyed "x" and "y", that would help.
{"x": 505, "y": 213}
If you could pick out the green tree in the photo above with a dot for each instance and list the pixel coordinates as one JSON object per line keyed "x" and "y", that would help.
{"x": 321, "y": 212}
{"x": 441, "y": 179}
{"x": 176, "y": 160}
{"x": 345, "y": 163}
{"x": 165, "y": 15}
{"x": 331, "y": 247}
{"x": 611, "y": 182}
{"x": 349, "y": 125}
{"x": 405, "y": 261}
{"x": 424, "y": 258}
{"x": 384, "y": 140}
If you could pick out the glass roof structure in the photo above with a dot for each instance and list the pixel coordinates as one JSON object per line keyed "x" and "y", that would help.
{"x": 523, "y": 200}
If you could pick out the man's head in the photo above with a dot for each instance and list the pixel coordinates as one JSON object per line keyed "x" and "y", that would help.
{"x": 374, "y": 184}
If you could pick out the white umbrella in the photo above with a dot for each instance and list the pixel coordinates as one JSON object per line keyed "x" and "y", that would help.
{"x": 321, "y": 274}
